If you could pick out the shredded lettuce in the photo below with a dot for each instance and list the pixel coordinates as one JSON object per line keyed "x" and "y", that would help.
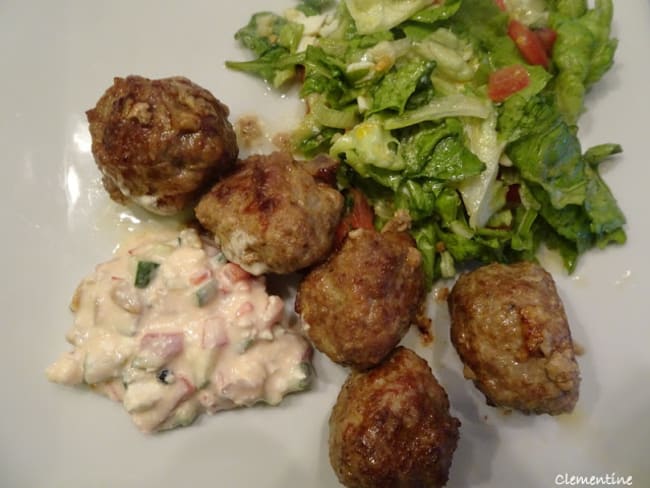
{"x": 529, "y": 12}
{"x": 397, "y": 89}
{"x": 482, "y": 194}
{"x": 379, "y": 15}
{"x": 369, "y": 144}
{"x": 441, "y": 108}
{"x": 583, "y": 52}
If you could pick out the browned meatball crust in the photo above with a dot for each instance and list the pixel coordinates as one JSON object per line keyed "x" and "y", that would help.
{"x": 270, "y": 215}
{"x": 358, "y": 305}
{"x": 391, "y": 427}
{"x": 509, "y": 327}
{"x": 160, "y": 143}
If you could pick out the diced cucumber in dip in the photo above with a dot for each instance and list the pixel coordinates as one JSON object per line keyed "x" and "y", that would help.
{"x": 145, "y": 273}
{"x": 177, "y": 333}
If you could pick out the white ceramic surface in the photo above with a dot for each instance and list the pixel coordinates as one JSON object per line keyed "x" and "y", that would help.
{"x": 56, "y": 58}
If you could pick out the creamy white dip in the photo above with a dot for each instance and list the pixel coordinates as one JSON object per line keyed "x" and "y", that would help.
{"x": 171, "y": 329}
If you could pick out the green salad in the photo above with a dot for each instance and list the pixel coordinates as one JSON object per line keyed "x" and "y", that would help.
{"x": 461, "y": 112}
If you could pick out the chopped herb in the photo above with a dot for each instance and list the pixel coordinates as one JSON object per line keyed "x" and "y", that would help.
{"x": 245, "y": 345}
{"x": 165, "y": 376}
{"x": 145, "y": 273}
{"x": 206, "y": 293}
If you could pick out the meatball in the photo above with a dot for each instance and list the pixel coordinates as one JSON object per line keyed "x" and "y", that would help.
{"x": 160, "y": 143}
{"x": 391, "y": 427}
{"x": 270, "y": 215}
{"x": 358, "y": 305}
{"x": 510, "y": 330}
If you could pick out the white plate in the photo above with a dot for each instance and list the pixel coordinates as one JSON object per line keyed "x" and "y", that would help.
{"x": 57, "y": 58}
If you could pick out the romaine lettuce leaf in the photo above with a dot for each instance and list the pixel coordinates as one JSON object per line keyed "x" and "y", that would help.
{"x": 519, "y": 117}
{"x": 266, "y": 30}
{"x": 532, "y": 13}
{"x": 418, "y": 197}
{"x": 463, "y": 249}
{"x": 606, "y": 217}
{"x": 314, "y": 7}
{"x": 274, "y": 40}
{"x": 324, "y": 75}
{"x": 483, "y": 24}
{"x": 597, "y": 154}
{"x": 369, "y": 144}
{"x": 369, "y": 65}
{"x": 437, "y": 12}
{"x": 275, "y": 66}
{"x": 437, "y": 151}
{"x": 439, "y": 108}
{"x": 523, "y": 235}
{"x": 453, "y": 57}
{"x": 448, "y": 206}
{"x": 425, "y": 239}
{"x": 552, "y": 158}
{"x": 569, "y": 8}
{"x": 380, "y": 15}
{"x": 570, "y": 222}
{"x": 481, "y": 194}
{"x": 311, "y": 138}
{"x": 395, "y": 89}
{"x": 565, "y": 248}
{"x": 450, "y": 160}
{"x": 344, "y": 118}
{"x": 583, "y": 52}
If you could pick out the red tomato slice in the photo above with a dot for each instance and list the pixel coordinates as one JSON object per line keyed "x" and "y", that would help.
{"x": 530, "y": 46}
{"x": 505, "y": 81}
{"x": 547, "y": 37}
{"x": 359, "y": 216}
{"x": 501, "y": 4}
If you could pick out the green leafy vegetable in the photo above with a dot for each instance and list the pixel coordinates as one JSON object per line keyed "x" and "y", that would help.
{"x": 595, "y": 155}
{"x": 380, "y": 15}
{"x": 438, "y": 152}
{"x": 314, "y": 7}
{"x": 274, "y": 40}
{"x": 440, "y": 108}
{"x": 552, "y": 158}
{"x": 583, "y": 52}
{"x": 398, "y": 90}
